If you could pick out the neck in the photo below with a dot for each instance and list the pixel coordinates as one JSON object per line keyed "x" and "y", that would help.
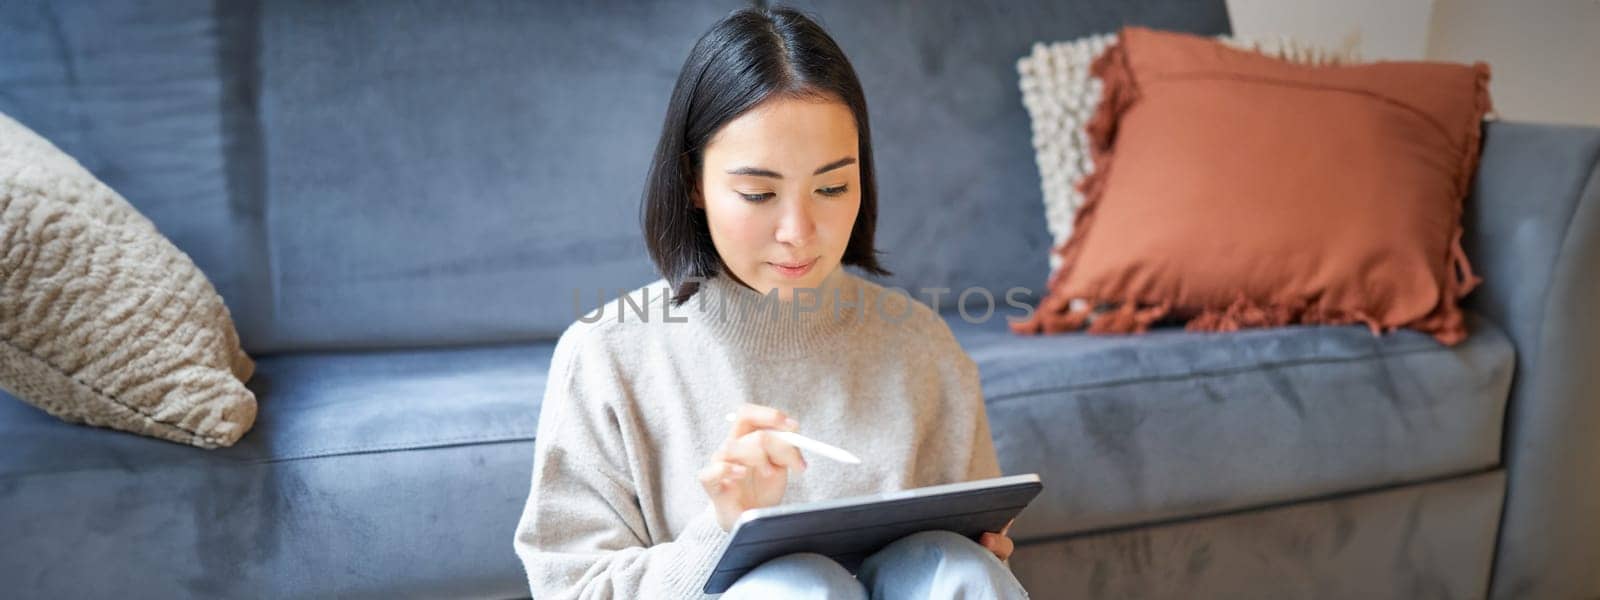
{"x": 767, "y": 324}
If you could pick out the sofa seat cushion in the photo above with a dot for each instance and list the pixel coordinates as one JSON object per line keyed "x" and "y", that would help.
{"x": 355, "y": 459}
{"x": 1133, "y": 429}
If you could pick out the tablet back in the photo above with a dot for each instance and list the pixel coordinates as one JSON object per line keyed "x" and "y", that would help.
{"x": 850, "y": 529}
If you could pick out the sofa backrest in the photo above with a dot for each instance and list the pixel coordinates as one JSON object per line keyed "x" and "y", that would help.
{"x": 402, "y": 173}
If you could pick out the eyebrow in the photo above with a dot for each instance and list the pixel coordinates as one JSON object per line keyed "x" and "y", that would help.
{"x": 760, "y": 172}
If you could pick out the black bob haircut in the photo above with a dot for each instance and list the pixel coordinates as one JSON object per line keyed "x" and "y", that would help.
{"x": 744, "y": 59}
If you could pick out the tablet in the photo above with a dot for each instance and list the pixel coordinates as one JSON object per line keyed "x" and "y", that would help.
{"x": 850, "y": 529}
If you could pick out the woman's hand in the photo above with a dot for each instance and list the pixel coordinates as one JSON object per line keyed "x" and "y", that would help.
{"x": 998, "y": 543}
{"x": 751, "y": 469}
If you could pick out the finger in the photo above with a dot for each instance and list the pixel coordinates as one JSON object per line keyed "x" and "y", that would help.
{"x": 751, "y": 452}
{"x": 710, "y": 477}
{"x": 1000, "y": 545}
{"x": 750, "y": 417}
{"x": 720, "y": 468}
{"x": 1007, "y": 528}
{"x": 718, "y": 474}
{"x": 781, "y": 452}
{"x": 767, "y": 453}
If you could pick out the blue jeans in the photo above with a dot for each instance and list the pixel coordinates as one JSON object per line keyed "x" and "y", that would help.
{"x": 923, "y": 565}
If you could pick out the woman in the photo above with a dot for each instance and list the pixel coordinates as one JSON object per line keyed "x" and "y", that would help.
{"x": 761, "y": 191}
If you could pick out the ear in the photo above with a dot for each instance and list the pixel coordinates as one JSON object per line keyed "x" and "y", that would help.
{"x": 698, "y": 199}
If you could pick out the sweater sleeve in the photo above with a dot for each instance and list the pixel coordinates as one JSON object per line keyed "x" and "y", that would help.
{"x": 582, "y": 533}
{"x": 984, "y": 462}
{"x": 962, "y": 397}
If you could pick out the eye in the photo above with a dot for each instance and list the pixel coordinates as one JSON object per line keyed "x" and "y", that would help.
{"x": 757, "y": 197}
{"x": 834, "y": 191}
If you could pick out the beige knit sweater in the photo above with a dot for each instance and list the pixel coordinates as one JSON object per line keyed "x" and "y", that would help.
{"x": 634, "y": 408}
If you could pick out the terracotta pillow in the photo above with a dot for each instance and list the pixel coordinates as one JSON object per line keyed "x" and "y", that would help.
{"x": 1061, "y": 95}
{"x": 1234, "y": 190}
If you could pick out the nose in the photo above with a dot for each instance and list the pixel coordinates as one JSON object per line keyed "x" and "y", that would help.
{"x": 795, "y": 224}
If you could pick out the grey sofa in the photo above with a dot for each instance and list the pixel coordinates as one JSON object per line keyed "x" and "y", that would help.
{"x": 398, "y": 200}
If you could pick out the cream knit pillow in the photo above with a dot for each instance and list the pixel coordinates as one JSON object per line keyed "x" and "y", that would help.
{"x": 102, "y": 320}
{"x": 1061, "y": 96}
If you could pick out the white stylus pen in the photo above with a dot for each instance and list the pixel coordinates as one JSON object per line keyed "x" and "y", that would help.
{"x": 805, "y": 443}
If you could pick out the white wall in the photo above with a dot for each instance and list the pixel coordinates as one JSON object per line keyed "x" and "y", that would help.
{"x": 1544, "y": 55}
{"x": 1378, "y": 29}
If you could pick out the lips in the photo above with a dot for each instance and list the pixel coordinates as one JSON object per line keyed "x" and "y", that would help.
{"x": 793, "y": 268}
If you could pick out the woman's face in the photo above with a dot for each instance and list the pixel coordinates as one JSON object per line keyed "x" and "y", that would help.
{"x": 781, "y": 188}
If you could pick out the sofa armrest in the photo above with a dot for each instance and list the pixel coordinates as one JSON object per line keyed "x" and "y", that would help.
{"x": 1533, "y": 232}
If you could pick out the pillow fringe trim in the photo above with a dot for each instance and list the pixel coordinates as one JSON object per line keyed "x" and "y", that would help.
{"x": 1098, "y": 315}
